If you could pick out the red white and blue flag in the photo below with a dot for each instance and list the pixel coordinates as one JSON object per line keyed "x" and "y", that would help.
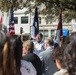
{"x": 59, "y": 31}
{"x": 35, "y": 27}
{"x": 11, "y": 22}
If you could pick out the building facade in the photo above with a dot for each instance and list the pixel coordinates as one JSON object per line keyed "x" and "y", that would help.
{"x": 25, "y": 21}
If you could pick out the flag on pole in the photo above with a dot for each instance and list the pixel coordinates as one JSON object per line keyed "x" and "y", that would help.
{"x": 11, "y": 22}
{"x": 59, "y": 31}
{"x": 35, "y": 27}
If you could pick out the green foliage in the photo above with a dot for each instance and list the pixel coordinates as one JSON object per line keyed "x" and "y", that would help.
{"x": 53, "y": 7}
{"x": 6, "y": 4}
{"x": 50, "y": 8}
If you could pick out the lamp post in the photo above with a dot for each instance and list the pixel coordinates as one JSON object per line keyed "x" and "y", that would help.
{"x": 21, "y": 31}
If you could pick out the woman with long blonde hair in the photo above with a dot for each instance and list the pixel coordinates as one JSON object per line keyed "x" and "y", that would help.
{"x": 6, "y": 56}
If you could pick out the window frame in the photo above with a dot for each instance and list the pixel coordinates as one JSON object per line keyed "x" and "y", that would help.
{"x": 15, "y": 20}
{"x": 25, "y": 18}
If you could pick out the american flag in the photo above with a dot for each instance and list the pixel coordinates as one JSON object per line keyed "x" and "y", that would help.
{"x": 59, "y": 32}
{"x": 11, "y": 22}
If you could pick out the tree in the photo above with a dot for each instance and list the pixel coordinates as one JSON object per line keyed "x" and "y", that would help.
{"x": 50, "y": 8}
{"x": 5, "y": 4}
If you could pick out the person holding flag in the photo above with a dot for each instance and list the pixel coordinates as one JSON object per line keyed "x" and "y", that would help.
{"x": 59, "y": 31}
{"x": 38, "y": 43}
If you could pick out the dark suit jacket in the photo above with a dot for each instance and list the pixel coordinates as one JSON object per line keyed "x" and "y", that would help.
{"x": 35, "y": 60}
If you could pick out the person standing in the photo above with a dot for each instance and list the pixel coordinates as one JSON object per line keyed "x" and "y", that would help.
{"x": 57, "y": 56}
{"x": 38, "y": 44}
{"x": 28, "y": 55}
{"x": 48, "y": 66}
{"x": 65, "y": 59}
{"x": 22, "y": 67}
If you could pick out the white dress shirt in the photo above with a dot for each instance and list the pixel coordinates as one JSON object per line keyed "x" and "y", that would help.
{"x": 38, "y": 47}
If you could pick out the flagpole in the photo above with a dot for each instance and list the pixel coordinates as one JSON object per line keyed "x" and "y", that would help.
{"x": 30, "y": 23}
{"x": 59, "y": 33}
{"x": 61, "y": 38}
{"x": 11, "y": 21}
{"x": 35, "y": 26}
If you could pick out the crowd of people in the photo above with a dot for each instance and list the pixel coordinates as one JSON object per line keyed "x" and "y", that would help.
{"x": 37, "y": 57}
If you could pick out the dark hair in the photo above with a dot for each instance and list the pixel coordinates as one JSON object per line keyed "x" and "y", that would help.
{"x": 16, "y": 47}
{"x": 58, "y": 55}
{"x": 70, "y": 58}
{"x": 40, "y": 35}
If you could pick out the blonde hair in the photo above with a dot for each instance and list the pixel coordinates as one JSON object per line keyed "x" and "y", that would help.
{"x": 49, "y": 40}
{"x": 6, "y": 56}
{"x": 8, "y": 63}
{"x": 29, "y": 44}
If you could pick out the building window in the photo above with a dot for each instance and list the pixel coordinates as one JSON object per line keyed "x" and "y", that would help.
{"x": 15, "y": 20}
{"x": 48, "y": 20}
{"x": 45, "y": 33}
{"x": 39, "y": 19}
{"x": 53, "y": 33}
{"x": 24, "y": 20}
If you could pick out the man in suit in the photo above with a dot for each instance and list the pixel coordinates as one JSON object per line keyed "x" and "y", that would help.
{"x": 48, "y": 66}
